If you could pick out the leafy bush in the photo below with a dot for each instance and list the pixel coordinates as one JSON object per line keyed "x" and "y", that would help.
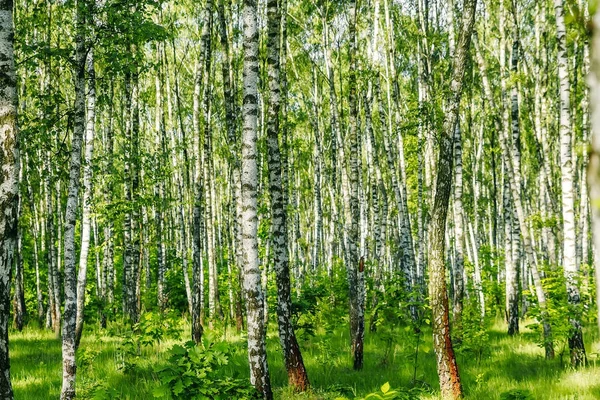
{"x": 152, "y": 328}
{"x": 194, "y": 373}
{"x": 475, "y": 337}
{"x": 557, "y": 306}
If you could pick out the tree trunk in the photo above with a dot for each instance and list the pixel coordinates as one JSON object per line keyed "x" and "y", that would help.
{"x": 161, "y": 140}
{"x": 257, "y": 347}
{"x": 87, "y": 196}
{"x": 294, "y": 364}
{"x": 571, "y": 269}
{"x": 70, "y": 283}
{"x": 355, "y": 263}
{"x": 9, "y": 185}
{"x": 512, "y": 270}
{"x": 447, "y": 367}
{"x": 19, "y": 310}
{"x": 459, "y": 237}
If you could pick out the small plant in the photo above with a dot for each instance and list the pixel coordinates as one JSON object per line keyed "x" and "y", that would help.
{"x": 387, "y": 393}
{"x": 474, "y": 335}
{"x": 194, "y": 373}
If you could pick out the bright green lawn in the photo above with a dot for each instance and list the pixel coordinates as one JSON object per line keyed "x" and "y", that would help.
{"x": 510, "y": 363}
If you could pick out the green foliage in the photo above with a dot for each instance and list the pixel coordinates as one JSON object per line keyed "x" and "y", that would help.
{"x": 395, "y": 306}
{"x": 193, "y": 372}
{"x": 387, "y": 393}
{"x": 105, "y": 392}
{"x": 320, "y": 305}
{"x": 175, "y": 287}
{"x": 475, "y": 337}
{"x": 153, "y": 328}
{"x": 558, "y": 310}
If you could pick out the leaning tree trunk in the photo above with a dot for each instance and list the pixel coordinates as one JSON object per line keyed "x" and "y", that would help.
{"x": 570, "y": 266}
{"x": 70, "y": 309}
{"x": 9, "y": 185}
{"x": 257, "y": 346}
{"x": 297, "y": 376}
{"x": 447, "y": 367}
{"x": 87, "y": 196}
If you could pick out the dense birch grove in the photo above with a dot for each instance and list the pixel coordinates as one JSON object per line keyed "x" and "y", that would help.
{"x": 300, "y": 170}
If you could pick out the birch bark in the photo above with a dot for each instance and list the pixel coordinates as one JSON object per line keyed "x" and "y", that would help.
{"x": 257, "y": 351}
{"x": 9, "y": 184}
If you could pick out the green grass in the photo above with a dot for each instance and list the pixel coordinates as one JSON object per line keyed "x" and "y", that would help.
{"x": 508, "y": 363}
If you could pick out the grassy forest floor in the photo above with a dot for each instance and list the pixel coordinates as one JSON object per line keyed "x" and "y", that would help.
{"x": 508, "y": 363}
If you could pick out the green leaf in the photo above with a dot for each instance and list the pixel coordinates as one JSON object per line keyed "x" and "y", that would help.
{"x": 385, "y": 388}
{"x": 178, "y": 387}
{"x": 161, "y": 392}
{"x": 178, "y": 350}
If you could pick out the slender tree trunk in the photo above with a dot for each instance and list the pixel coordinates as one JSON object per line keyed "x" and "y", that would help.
{"x": 70, "y": 283}
{"x": 128, "y": 263}
{"x": 136, "y": 225}
{"x": 317, "y": 207}
{"x": 37, "y": 230}
{"x": 294, "y": 364}
{"x": 355, "y": 263}
{"x": 571, "y": 269}
{"x": 108, "y": 259}
{"x": 201, "y": 128}
{"x": 19, "y": 310}
{"x": 257, "y": 350}
{"x": 459, "y": 238}
{"x": 9, "y": 185}
{"x": 512, "y": 230}
{"x": 447, "y": 367}
{"x": 53, "y": 285}
{"x": 87, "y": 196}
{"x": 161, "y": 139}
{"x": 231, "y": 119}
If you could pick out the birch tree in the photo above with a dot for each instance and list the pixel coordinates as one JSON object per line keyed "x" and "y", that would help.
{"x": 297, "y": 376}
{"x": 70, "y": 282}
{"x": 447, "y": 367}
{"x": 87, "y": 195}
{"x": 9, "y": 184}
{"x": 355, "y": 263}
{"x": 570, "y": 266}
{"x": 257, "y": 350}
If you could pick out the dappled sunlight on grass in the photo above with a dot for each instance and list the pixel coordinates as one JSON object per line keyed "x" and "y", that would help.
{"x": 507, "y": 363}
